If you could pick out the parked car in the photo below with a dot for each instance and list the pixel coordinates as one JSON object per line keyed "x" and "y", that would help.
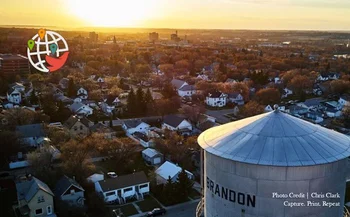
{"x": 156, "y": 212}
{"x": 112, "y": 174}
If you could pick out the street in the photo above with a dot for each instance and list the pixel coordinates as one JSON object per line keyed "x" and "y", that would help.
{"x": 187, "y": 210}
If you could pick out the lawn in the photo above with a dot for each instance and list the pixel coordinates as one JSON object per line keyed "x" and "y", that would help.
{"x": 127, "y": 210}
{"x": 135, "y": 163}
{"x": 148, "y": 204}
{"x": 194, "y": 194}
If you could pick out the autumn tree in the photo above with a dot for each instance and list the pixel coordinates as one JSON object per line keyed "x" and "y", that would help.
{"x": 72, "y": 91}
{"x": 268, "y": 96}
{"x": 251, "y": 108}
{"x": 346, "y": 116}
{"x": 185, "y": 184}
{"x": 340, "y": 87}
{"x": 299, "y": 84}
{"x": 193, "y": 113}
{"x": 75, "y": 157}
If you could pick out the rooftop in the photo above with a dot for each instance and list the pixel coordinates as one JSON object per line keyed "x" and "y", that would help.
{"x": 123, "y": 181}
{"x": 12, "y": 57}
{"x": 277, "y": 139}
{"x": 27, "y": 189}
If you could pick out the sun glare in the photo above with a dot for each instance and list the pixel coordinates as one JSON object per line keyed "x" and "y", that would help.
{"x": 108, "y": 13}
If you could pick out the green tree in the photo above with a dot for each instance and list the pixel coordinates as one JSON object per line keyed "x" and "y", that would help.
{"x": 170, "y": 191}
{"x": 168, "y": 91}
{"x": 140, "y": 102}
{"x": 34, "y": 98}
{"x": 131, "y": 103}
{"x": 184, "y": 184}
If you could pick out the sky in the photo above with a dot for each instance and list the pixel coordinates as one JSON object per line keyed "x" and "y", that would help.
{"x": 199, "y": 14}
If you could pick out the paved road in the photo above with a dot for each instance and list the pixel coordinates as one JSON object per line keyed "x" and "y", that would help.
{"x": 187, "y": 210}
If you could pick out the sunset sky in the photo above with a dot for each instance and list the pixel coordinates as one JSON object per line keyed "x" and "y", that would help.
{"x": 204, "y": 14}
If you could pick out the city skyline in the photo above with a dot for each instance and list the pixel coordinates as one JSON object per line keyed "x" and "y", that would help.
{"x": 205, "y": 14}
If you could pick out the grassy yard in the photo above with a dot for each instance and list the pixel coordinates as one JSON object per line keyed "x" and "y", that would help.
{"x": 135, "y": 163}
{"x": 148, "y": 204}
{"x": 127, "y": 210}
{"x": 194, "y": 194}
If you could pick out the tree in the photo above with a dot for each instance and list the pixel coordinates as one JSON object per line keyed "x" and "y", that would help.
{"x": 131, "y": 103}
{"x": 170, "y": 191}
{"x": 9, "y": 145}
{"x": 72, "y": 91}
{"x": 268, "y": 96}
{"x": 140, "y": 102}
{"x": 346, "y": 116}
{"x": 193, "y": 113}
{"x": 251, "y": 108}
{"x": 75, "y": 158}
{"x": 33, "y": 98}
{"x": 41, "y": 163}
{"x": 185, "y": 184}
{"x": 168, "y": 91}
{"x": 340, "y": 87}
{"x": 299, "y": 84}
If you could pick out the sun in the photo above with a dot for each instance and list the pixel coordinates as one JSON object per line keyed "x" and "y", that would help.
{"x": 112, "y": 13}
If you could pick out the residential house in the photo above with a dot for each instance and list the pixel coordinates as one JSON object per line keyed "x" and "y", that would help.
{"x": 216, "y": 99}
{"x": 203, "y": 77}
{"x": 322, "y": 77}
{"x": 186, "y": 90}
{"x": 177, "y": 84}
{"x": 152, "y": 156}
{"x": 96, "y": 177}
{"x": 268, "y": 108}
{"x": 315, "y": 117}
{"x": 100, "y": 128}
{"x": 177, "y": 123}
{"x": 123, "y": 188}
{"x": 332, "y": 112}
{"x": 81, "y": 109}
{"x": 206, "y": 122}
{"x": 236, "y": 98}
{"x": 78, "y": 126}
{"x": 69, "y": 190}
{"x": 333, "y": 76}
{"x": 169, "y": 170}
{"x": 17, "y": 86}
{"x": 344, "y": 100}
{"x": 14, "y": 96}
{"x": 65, "y": 100}
{"x": 286, "y": 92}
{"x": 82, "y": 93}
{"x": 109, "y": 105}
{"x": 31, "y": 134}
{"x": 144, "y": 140}
{"x": 63, "y": 83}
{"x": 135, "y": 125}
{"x": 231, "y": 81}
{"x": 297, "y": 110}
{"x": 312, "y": 104}
{"x": 35, "y": 198}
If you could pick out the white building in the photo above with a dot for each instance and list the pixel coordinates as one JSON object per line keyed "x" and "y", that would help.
{"x": 14, "y": 96}
{"x": 286, "y": 92}
{"x": 236, "y": 98}
{"x": 186, "y": 90}
{"x": 122, "y": 188}
{"x": 82, "y": 93}
{"x": 176, "y": 123}
{"x": 344, "y": 100}
{"x": 177, "y": 84}
{"x": 168, "y": 169}
{"x": 80, "y": 108}
{"x": 70, "y": 191}
{"x": 216, "y": 99}
{"x": 96, "y": 177}
{"x": 135, "y": 125}
{"x": 152, "y": 156}
{"x": 31, "y": 134}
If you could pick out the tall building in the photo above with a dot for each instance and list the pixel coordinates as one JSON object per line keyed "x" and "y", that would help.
{"x": 153, "y": 36}
{"x": 174, "y": 37}
{"x": 14, "y": 64}
{"x": 93, "y": 36}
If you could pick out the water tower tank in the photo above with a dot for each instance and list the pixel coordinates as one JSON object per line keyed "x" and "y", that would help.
{"x": 274, "y": 165}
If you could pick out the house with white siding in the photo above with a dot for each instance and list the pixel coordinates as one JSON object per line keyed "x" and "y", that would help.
{"x": 69, "y": 190}
{"x": 168, "y": 169}
{"x": 176, "y": 123}
{"x": 216, "y": 99}
{"x": 135, "y": 125}
{"x": 123, "y": 188}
